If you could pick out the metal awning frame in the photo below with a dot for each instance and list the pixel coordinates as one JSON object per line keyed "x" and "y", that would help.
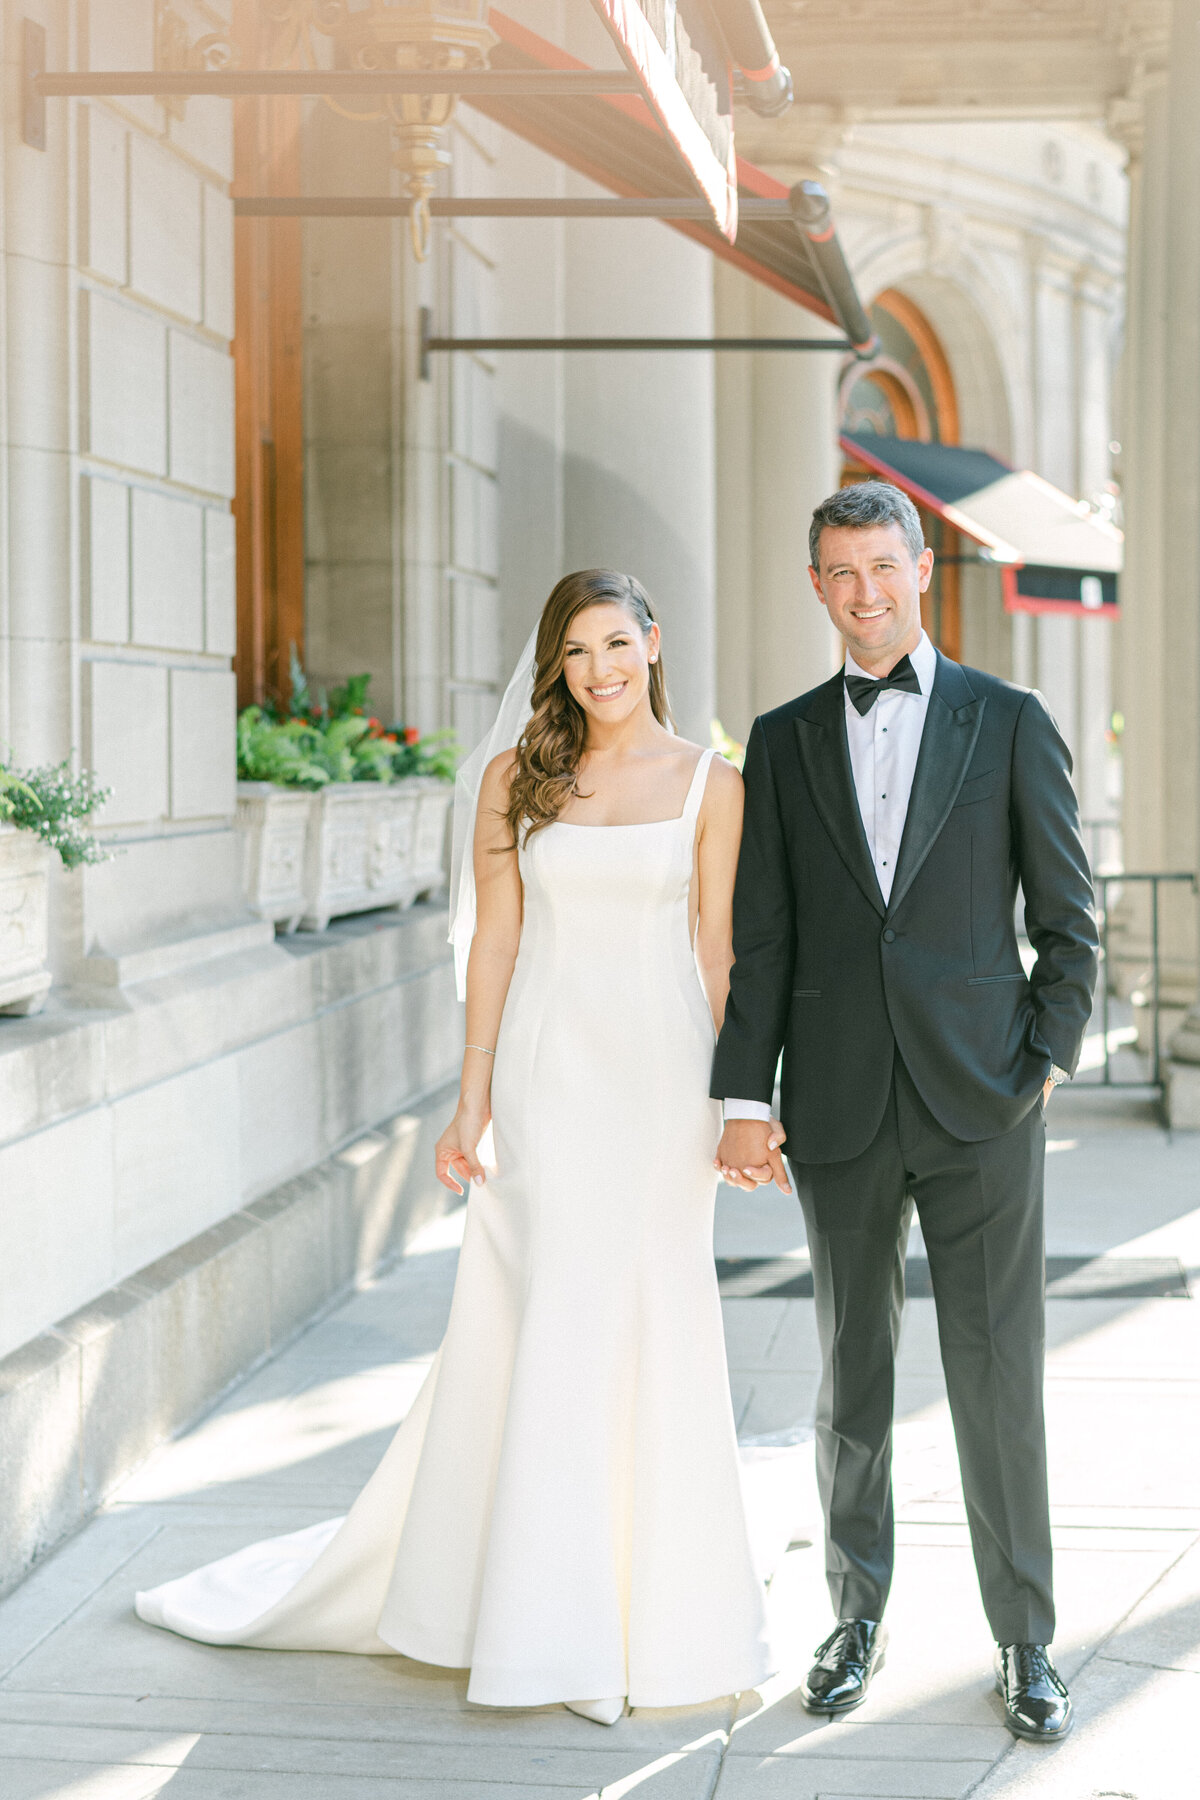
{"x": 806, "y": 205}
{"x": 429, "y": 343}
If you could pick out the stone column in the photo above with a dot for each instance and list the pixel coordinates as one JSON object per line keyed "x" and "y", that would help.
{"x": 638, "y": 476}
{"x": 1160, "y": 631}
{"x": 778, "y": 456}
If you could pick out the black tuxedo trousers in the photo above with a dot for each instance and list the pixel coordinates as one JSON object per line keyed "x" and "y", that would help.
{"x": 914, "y": 1051}
{"x": 980, "y": 1208}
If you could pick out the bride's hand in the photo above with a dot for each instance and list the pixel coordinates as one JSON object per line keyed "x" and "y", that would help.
{"x": 456, "y": 1152}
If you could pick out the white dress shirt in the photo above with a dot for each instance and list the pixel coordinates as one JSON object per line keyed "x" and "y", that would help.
{"x": 884, "y": 744}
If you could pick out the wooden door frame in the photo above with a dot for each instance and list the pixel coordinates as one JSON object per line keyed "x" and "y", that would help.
{"x": 269, "y": 380}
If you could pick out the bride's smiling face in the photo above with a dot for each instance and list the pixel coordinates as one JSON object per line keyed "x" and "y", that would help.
{"x": 606, "y": 661}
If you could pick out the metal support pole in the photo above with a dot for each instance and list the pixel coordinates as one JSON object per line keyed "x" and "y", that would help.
{"x": 814, "y": 221}
{"x": 1106, "y": 989}
{"x": 229, "y": 84}
{"x": 387, "y": 206}
{"x": 474, "y": 346}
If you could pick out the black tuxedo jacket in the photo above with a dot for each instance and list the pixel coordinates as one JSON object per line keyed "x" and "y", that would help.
{"x": 837, "y": 980}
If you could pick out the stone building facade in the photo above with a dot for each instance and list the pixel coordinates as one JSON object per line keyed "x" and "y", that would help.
{"x": 210, "y": 1130}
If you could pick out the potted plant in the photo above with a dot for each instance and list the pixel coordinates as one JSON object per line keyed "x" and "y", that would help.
{"x": 427, "y": 765}
{"x": 41, "y": 813}
{"x": 374, "y": 805}
{"x": 277, "y": 776}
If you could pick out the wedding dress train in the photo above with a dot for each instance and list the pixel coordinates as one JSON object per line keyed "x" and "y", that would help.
{"x": 561, "y": 1511}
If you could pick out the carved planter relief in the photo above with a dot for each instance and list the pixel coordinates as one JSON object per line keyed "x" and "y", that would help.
{"x": 24, "y": 921}
{"x": 373, "y": 845}
{"x": 273, "y": 822}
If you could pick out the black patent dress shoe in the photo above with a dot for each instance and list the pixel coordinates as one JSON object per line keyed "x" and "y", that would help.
{"x": 846, "y": 1661}
{"x": 1037, "y": 1705}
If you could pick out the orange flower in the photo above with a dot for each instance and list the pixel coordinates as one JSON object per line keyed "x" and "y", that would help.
{"x": 412, "y": 734}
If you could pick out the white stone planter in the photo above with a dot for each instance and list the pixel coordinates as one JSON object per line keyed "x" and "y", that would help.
{"x": 24, "y": 921}
{"x": 273, "y": 822}
{"x": 429, "y": 870}
{"x": 371, "y": 844}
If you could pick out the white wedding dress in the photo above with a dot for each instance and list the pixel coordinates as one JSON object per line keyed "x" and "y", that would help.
{"x": 561, "y": 1511}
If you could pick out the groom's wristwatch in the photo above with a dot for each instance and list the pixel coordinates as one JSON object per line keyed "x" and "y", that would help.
{"x": 1057, "y": 1075}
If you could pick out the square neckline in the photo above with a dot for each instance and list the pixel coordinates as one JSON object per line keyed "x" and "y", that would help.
{"x": 704, "y": 760}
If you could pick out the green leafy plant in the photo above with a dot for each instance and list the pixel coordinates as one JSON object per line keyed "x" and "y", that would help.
{"x": 278, "y": 750}
{"x": 52, "y": 802}
{"x": 333, "y": 736}
{"x": 436, "y": 754}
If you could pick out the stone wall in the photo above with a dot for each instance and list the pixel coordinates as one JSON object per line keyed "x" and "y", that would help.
{"x": 119, "y": 574}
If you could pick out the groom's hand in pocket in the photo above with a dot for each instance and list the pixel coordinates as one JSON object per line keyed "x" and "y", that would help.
{"x": 748, "y": 1155}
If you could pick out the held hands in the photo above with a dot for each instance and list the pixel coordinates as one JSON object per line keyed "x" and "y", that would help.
{"x": 456, "y": 1154}
{"x": 748, "y": 1154}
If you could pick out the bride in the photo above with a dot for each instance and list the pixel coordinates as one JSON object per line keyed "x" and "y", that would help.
{"x": 561, "y": 1510}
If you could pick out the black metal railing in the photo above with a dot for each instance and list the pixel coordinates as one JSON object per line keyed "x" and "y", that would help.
{"x": 1152, "y": 990}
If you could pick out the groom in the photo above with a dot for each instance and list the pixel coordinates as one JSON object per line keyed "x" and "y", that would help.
{"x": 890, "y": 815}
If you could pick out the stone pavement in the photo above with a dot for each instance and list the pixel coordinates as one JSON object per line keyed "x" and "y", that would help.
{"x": 95, "y": 1706}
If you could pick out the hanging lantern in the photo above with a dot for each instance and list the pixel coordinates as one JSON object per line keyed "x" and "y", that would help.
{"x": 396, "y": 37}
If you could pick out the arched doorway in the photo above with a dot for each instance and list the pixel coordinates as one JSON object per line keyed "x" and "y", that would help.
{"x": 906, "y": 390}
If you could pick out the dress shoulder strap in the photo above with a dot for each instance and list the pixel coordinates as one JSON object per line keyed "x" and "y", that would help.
{"x": 695, "y": 794}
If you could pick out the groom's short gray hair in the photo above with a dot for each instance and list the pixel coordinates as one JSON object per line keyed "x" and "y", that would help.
{"x": 866, "y": 503}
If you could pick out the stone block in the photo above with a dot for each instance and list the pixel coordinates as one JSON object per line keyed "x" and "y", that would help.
{"x": 201, "y": 407}
{"x": 39, "y": 353}
{"x": 161, "y": 887}
{"x": 211, "y": 1323}
{"x": 280, "y": 1082}
{"x": 167, "y": 558}
{"x": 203, "y": 744}
{"x": 49, "y": 1067}
{"x": 106, "y": 560}
{"x": 394, "y": 1190}
{"x": 205, "y": 1011}
{"x": 39, "y": 543}
{"x": 475, "y": 629}
{"x": 473, "y": 519}
{"x": 126, "y": 713}
{"x": 126, "y": 384}
{"x": 220, "y": 583}
{"x": 473, "y": 411}
{"x": 171, "y": 956}
{"x": 175, "y": 1161}
{"x": 347, "y": 383}
{"x": 39, "y": 1434}
{"x": 1182, "y": 1094}
{"x": 41, "y": 699}
{"x": 56, "y": 1224}
{"x": 298, "y": 1227}
{"x": 472, "y": 292}
{"x": 205, "y": 133}
{"x": 121, "y": 36}
{"x": 104, "y": 233}
{"x": 165, "y": 242}
{"x": 124, "y": 1412}
{"x": 348, "y": 487}
{"x": 218, "y": 261}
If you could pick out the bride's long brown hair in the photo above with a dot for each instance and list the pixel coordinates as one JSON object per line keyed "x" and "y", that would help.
{"x": 551, "y": 748}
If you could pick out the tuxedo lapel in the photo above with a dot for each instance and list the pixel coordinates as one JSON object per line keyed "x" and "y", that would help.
{"x": 825, "y": 759}
{"x": 951, "y": 728}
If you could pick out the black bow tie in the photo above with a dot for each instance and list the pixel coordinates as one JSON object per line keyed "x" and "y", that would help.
{"x": 864, "y": 692}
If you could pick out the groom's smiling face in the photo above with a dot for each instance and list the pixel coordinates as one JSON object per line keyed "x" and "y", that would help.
{"x": 872, "y": 588}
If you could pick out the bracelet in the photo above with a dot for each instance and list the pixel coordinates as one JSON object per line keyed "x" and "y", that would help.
{"x": 480, "y": 1048}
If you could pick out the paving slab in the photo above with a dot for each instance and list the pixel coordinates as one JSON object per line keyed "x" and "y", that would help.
{"x": 96, "y": 1706}
{"x": 1135, "y": 1739}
